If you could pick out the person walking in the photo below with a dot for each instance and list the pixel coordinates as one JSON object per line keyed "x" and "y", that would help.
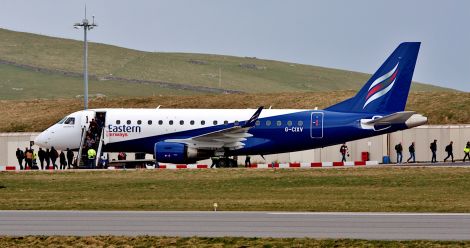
{"x": 35, "y": 157}
{"x": 53, "y": 154}
{"x": 70, "y": 156}
{"x": 24, "y": 152}
{"x": 47, "y": 158}
{"x": 433, "y": 148}
{"x": 20, "y": 157}
{"x": 42, "y": 157}
{"x": 343, "y": 150}
{"x": 247, "y": 161}
{"x": 466, "y": 151}
{"x": 215, "y": 162}
{"x": 28, "y": 159}
{"x": 450, "y": 151}
{"x": 411, "y": 149}
{"x": 62, "y": 160}
{"x": 91, "y": 158}
{"x": 399, "y": 150}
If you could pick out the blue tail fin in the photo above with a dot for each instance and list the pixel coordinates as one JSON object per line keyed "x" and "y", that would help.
{"x": 387, "y": 90}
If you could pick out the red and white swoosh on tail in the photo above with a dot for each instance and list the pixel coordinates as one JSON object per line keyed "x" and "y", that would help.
{"x": 381, "y": 86}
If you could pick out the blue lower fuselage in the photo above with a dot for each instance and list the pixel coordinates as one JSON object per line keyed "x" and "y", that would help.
{"x": 278, "y": 134}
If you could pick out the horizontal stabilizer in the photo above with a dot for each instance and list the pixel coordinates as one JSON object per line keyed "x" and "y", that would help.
{"x": 408, "y": 118}
{"x": 398, "y": 117}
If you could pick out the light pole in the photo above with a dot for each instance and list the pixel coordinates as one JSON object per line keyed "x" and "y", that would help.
{"x": 86, "y": 26}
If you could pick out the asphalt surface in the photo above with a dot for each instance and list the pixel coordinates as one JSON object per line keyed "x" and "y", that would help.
{"x": 383, "y": 226}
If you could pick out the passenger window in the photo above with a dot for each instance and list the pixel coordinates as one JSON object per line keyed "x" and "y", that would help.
{"x": 215, "y": 122}
{"x": 237, "y": 123}
{"x": 203, "y": 123}
{"x": 128, "y": 122}
{"x": 160, "y": 122}
{"x": 118, "y": 122}
{"x": 139, "y": 122}
{"x": 268, "y": 123}
{"x": 70, "y": 121}
{"x": 191, "y": 122}
{"x": 278, "y": 123}
{"x": 225, "y": 122}
{"x": 300, "y": 123}
{"x": 149, "y": 122}
{"x": 289, "y": 123}
{"x": 181, "y": 122}
{"x": 170, "y": 122}
{"x": 257, "y": 123}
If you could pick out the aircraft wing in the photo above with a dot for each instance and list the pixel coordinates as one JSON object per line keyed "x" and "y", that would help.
{"x": 231, "y": 138}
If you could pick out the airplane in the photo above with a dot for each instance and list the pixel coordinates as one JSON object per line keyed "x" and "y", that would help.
{"x": 188, "y": 135}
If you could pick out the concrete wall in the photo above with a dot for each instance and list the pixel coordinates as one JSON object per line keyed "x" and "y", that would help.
{"x": 377, "y": 147}
{"x": 423, "y": 136}
{"x": 8, "y": 144}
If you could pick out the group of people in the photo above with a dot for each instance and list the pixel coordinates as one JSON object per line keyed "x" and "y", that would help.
{"x": 66, "y": 159}
{"x": 433, "y": 147}
{"x": 91, "y": 142}
{"x": 47, "y": 158}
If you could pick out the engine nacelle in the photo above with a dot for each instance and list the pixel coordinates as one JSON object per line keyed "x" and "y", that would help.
{"x": 178, "y": 153}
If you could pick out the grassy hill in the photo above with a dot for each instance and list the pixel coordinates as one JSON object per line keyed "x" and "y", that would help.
{"x": 37, "y": 115}
{"x": 36, "y": 66}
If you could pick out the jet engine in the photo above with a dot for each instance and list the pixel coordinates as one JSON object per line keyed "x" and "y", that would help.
{"x": 178, "y": 153}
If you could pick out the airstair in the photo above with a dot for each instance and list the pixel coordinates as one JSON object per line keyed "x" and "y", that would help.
{"x": 97, "y": 135}
{"x": 82, "y": 143}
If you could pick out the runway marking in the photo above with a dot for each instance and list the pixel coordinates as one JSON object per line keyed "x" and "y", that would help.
{"x": 370, "y": 214}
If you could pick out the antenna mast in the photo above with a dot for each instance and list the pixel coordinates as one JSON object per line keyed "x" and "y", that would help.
{"x": 86, "y": 27}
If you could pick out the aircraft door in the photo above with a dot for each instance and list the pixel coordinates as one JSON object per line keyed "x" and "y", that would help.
{"x": 87, "y": 115}
{"x": 316, "y": 125}
{"x": 101, "y": 119}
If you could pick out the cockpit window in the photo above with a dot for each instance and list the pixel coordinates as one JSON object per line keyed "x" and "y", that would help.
{"x": 62, "y": 121}
{"x": 70, "y": 121}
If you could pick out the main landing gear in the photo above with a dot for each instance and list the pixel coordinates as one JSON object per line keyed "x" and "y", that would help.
{"x": 224, "y": 162}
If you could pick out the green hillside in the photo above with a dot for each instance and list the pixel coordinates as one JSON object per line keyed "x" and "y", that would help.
{"x": 51, "y": 66}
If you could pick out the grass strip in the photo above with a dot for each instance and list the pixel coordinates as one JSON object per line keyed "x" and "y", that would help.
{"x": 350, "y": 189}
{"x": 148, "y": 241}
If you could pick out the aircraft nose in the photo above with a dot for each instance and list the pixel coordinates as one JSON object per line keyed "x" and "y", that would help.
{"x": 41, "y": 139}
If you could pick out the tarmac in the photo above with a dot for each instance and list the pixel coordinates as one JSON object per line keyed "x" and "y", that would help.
{"x": 372, "y": 226}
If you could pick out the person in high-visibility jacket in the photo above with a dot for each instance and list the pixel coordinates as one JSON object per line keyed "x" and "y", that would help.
{"x": 91, "y": 158}
{"x": 35, "y": 157}
{"x": 466, "y": 151}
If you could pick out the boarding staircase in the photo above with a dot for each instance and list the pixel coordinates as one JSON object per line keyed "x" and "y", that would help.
{"x": 83, "y": 157}
{"x": 80, "y": 151}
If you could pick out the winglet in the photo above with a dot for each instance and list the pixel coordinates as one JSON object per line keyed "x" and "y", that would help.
{"x": 254, "y": 118}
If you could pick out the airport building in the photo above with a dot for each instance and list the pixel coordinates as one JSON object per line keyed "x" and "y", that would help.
{"x": 377, "y": 147}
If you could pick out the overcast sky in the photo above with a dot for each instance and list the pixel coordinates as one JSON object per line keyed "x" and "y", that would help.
{"x": 352, "y": 35}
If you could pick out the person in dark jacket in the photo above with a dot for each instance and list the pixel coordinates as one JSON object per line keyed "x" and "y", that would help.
{"x": 42, "y": 156}
{"x": 344, "y": 151}
{"x": 433, "y": 148}
{"x": 20, "y": 157}
{"x": 69, "y": 158}
{"x": 63, "y": 160}
{"x": 53, "y": 154}
{"x": 411, "y": 149}
{"x": 399, "y": 150}
{"x": 248, "y": 161}
{"x": 47, "y": 158}
{"x": 450, "y": 151}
